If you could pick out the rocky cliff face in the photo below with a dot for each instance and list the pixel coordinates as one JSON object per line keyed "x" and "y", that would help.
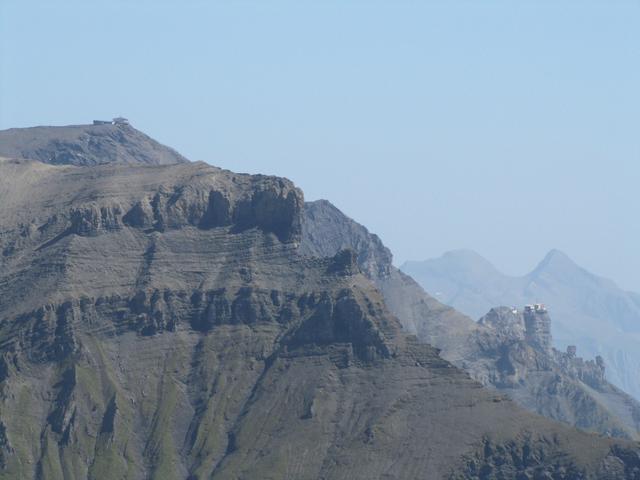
{"x": 161, "y": 322}
{"x": 537, "y": 327}
{"x": 509, "y": 352}
{"x": 326, "y": 229}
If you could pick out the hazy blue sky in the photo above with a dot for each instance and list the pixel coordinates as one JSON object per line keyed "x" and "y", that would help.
{"x": 510, "y": 127}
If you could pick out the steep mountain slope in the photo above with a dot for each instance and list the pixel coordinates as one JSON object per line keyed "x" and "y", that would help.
{"x": 86, "y": 145}
{"x": 589, "y": 311}
{"x": 541, "y": 379}
{"x": 160, "y": 322}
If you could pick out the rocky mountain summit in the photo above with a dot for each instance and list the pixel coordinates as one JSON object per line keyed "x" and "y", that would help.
{"x": 106, "y": 143}
{"x": 166, "y": 320}
{"x": 510, "y": 352}
{"x": 591, "y": 312}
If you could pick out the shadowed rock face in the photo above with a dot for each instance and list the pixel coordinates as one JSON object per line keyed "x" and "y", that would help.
{"x": 161, "y": 322}
{"x": 505, "y": 351}
{"x": 326, "y": 229}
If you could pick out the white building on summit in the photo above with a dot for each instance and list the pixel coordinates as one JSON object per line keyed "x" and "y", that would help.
{"x": 536, "y": 307}
{"x": 115, "y": 121}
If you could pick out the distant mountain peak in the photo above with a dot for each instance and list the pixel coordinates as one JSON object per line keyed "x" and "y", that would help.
{"x": 555, "y": 255}
{"x": 555, "y": 261}
{"x": 466, "y": 262}
{"x": 101, "y": 143}
{"x": 464, "y": 253}
{"x": 468, "y": 256}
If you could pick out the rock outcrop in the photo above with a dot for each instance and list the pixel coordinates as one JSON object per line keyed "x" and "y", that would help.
{"x": 537, "y": 327}
{"x": 161, "y": 322}
{"x": 326, "y": 229}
